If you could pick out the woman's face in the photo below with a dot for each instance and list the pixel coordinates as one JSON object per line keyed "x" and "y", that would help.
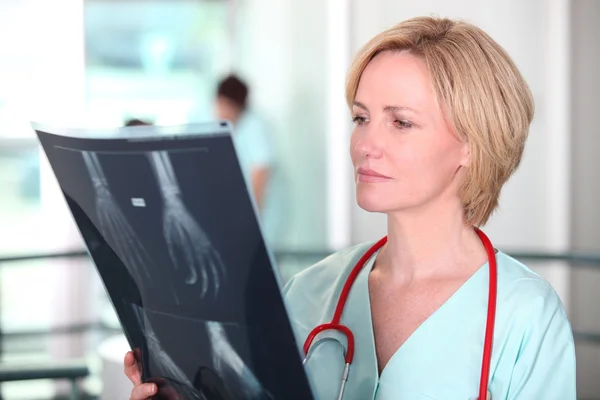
{"x": 227, "y": 110}
{"x": 405, "y": 156}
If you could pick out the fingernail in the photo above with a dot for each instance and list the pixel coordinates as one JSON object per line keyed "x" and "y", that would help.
{"x": 151, "y": 388}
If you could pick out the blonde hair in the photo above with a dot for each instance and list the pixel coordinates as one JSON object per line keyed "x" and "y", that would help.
{"x": 487, "y": 101}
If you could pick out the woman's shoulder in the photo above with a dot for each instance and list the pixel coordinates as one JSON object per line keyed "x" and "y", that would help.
{"x": 525, "y": 294}
{"x": 515, "y": 275}
{"x": 311, "y": 295}
{"x": 324, "y": 274}
{"x": 533, "y": 340}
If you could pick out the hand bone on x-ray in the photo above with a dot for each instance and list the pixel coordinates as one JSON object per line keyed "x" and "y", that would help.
{"x": 188, "y": 244}
{"x": 164, "y": 366}
{"x": 113, "y": 224}
{"x": 226, "y": 359}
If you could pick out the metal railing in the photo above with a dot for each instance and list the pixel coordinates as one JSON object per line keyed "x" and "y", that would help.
{"x": 575, "y": 260}
{"x": 71, "y": 370}
{"x": 585, "y": 259}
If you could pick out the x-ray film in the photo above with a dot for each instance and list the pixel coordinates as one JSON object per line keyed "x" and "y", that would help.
{"x": 168, "y": 220}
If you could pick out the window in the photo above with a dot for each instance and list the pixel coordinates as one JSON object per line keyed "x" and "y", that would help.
{"x": 153, "y": 60}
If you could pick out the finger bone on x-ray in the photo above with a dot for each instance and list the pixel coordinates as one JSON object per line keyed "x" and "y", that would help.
{"x": 189, "y": 246}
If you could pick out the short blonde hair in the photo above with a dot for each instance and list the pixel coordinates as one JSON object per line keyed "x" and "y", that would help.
{"x": 487, "y": 101}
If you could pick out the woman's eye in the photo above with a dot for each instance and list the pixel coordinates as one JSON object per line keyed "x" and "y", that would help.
{"x": 359, "y": 120}
{"x": 402, "y": 124}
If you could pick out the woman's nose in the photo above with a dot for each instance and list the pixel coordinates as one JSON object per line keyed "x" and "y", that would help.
{"x": 369, "y": 143}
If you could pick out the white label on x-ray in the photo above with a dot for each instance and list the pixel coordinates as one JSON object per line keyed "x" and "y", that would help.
{"x": 138, "y": 202}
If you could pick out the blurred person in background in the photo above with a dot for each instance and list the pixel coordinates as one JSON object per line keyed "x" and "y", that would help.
{"x": 256, "y": 150}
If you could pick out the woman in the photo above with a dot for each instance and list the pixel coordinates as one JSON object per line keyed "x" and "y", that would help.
{"x": 441, "y": 117}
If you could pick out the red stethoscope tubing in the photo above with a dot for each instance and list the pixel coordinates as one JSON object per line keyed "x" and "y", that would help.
{"x": 491, "y": 315}
{"x": 489, "y": 327}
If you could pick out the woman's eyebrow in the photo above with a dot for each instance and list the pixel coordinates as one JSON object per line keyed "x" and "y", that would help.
{"x": 360, "y": 105}
{"x": 399, "y": 108}
{"x": 386, "y": 108}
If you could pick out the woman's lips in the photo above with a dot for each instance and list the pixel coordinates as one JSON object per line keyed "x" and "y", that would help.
{"x": 369, "y": 175}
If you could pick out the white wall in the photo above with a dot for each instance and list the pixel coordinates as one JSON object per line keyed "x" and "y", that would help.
{"x": 586, "y": 183}
{"x": 586, "y": 164}
{"x": 586, "y": 132}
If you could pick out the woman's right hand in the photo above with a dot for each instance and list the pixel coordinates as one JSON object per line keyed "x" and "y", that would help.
{"x": 140, "y": 391}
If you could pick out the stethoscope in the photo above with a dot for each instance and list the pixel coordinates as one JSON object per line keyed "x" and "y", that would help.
{"x": 349, "y": 350}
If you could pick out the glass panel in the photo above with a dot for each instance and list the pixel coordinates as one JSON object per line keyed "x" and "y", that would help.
{"x": 19, "y": 196}
{"x": 154, "y": 60}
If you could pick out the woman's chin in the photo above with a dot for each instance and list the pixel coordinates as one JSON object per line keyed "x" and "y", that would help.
{"x": 372, "y": 204}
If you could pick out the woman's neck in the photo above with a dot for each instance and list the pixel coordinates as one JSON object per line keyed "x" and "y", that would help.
{"x": 432, "y": 243}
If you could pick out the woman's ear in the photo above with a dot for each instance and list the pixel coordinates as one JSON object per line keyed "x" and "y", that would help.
{"x": 465, "y": 155}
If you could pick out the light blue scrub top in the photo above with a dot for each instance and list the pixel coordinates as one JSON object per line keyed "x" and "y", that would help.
{"x": 533, "y": 352}
{"x": 255, "y": 148}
